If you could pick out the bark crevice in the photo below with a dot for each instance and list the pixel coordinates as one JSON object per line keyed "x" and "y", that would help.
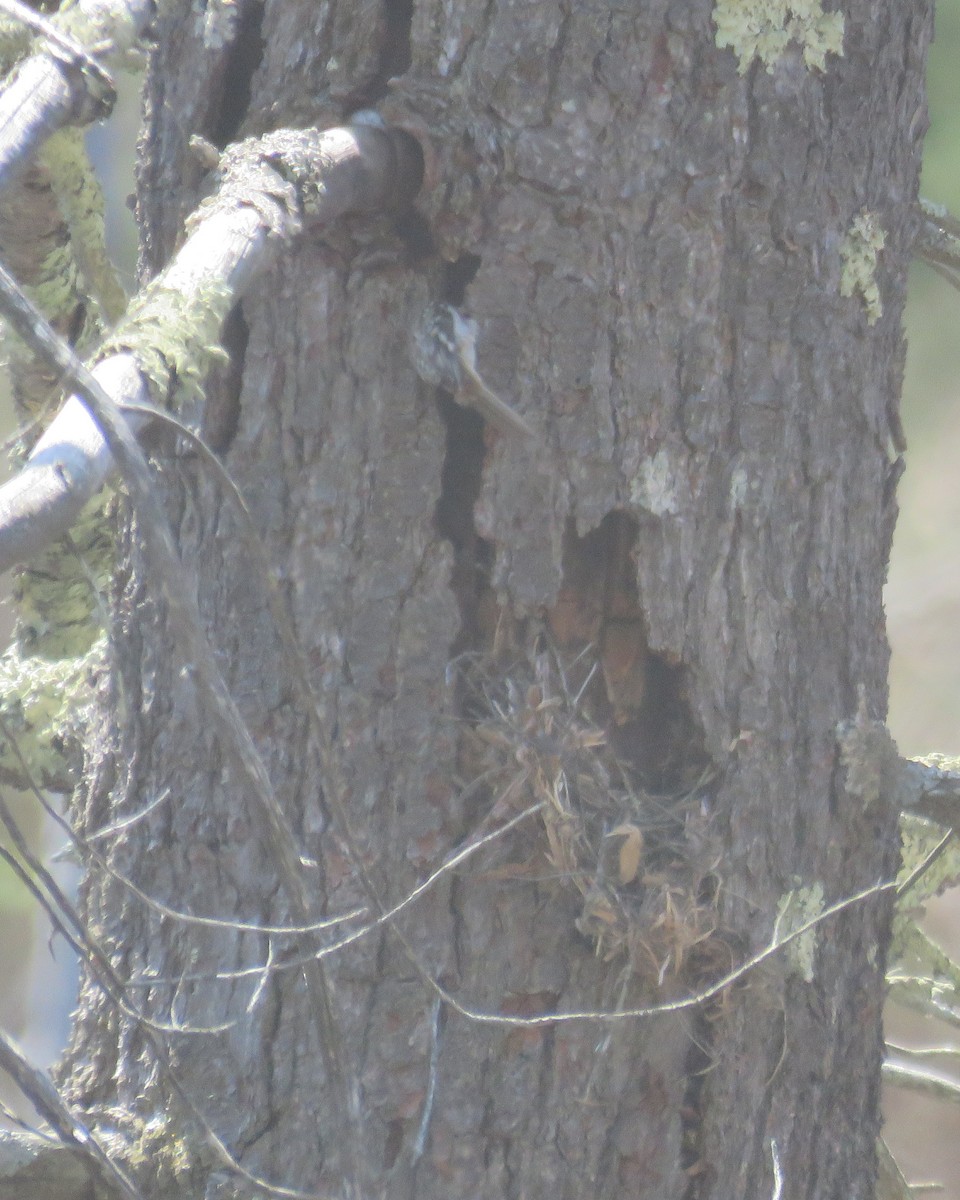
{"x": 241, "y": 63}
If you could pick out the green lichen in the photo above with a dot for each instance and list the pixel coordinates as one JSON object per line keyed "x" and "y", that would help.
{"x": 53, "y": 228}
{"x": 58, "y": 595}
{"x": 154, "y": 1148}
{"x": 15, "y": 42}
{"x": 869, "y": 756}
{"x": 113, "y": 25}
{"x": 918, "y": 839}
{"x": 80, "y": 200}
{"x": 175, "y": 337}
{"x": 798, "y": 908}
{"x": 921, "y": 976}
{"x": 47, "y": 673}
{"x": 52, "y": 282}
{"x": 43, "y": 704}
{"x": 763, "y": 29}
{"x": 220, "y": 21}
{"x": 859, "y": 253}
{"x": 162, "y": 1149}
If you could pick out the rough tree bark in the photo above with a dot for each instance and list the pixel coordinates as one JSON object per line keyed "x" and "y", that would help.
{"x": 689, "y": 562}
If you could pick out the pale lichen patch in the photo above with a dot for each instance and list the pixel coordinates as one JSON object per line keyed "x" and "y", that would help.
{"x": 220, "y": 19}
{"x": 655, "y": 485}
{"x": 859, "y": 253}
{"x": 174, "y": 344}
{"x": 763, "y": 29}
{"x": 796, "y": 909}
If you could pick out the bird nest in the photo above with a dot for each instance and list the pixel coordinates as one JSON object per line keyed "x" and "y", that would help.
{"x": 645, "y": 864}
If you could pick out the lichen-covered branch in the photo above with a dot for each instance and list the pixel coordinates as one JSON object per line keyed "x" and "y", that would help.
{"x": 271, "y": 188}
{"x": 930, "y": 787}
{"x": 55, "y": 87}
{"x": 924, "y": 787}
{"x": 51, "y": 239}
{"x": 51, "y": 207}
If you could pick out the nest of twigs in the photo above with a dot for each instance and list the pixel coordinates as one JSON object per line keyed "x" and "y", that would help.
{"x": 645, "y": 865}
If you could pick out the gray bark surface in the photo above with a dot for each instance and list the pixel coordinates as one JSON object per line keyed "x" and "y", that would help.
{"x": 649, "y": 243}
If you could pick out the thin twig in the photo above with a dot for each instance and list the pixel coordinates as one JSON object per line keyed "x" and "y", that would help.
{"x": 916, "y": 1079}
{"x": 386, "y": 916}
{"x": 48, "y": 1102}
{"x": 777, "y": 1192}
{"x": 70, "y": 50}
{"x": 693, "y": 1000}
{"x": 436, "y": 1029}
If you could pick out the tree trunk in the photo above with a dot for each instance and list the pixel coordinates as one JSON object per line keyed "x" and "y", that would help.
{"x": 650, "y": 620}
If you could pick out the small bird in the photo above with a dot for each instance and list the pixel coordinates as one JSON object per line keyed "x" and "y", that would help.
{"x": 443, "y": 350}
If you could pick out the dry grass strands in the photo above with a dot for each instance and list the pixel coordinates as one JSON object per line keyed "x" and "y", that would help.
{"x": 644, "y": 864}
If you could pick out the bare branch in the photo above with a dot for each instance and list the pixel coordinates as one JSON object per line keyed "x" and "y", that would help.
{"x": 48, "y": 1102}
{"x": 33, "y": 1165}
{"x": 918, "y": 1080}
{"x": 948, "y": 1054}
{"x": 891, "y": 1184}
{"x": 68, "y": 466}
{"x": 938, "y": 241}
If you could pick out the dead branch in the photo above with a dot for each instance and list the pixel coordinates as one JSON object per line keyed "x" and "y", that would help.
{"x": 26, "y": 1159}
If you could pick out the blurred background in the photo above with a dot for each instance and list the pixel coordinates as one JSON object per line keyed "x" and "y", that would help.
{"x": 923, "y": 610}
{"x": 923, "y": 587}
{"x": 38, "y": 983}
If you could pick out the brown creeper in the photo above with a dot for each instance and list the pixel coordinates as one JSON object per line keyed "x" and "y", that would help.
{"x": 444, "y": 354}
